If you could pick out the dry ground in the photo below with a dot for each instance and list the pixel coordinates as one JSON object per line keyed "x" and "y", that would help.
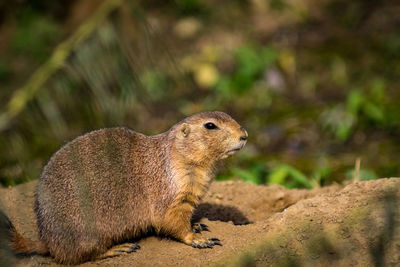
{"x": 356, "y": 225}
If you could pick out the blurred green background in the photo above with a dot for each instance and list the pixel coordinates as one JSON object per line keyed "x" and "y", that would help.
{"x": 315, "y": 83}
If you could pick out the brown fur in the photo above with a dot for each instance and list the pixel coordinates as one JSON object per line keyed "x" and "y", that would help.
{"x": 111, "y": 185}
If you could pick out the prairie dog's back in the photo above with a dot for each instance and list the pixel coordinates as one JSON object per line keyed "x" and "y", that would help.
{"x": 103, "y": 179}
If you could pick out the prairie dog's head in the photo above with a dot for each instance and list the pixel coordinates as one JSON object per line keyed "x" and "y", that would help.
{"x": 208, "y": 136}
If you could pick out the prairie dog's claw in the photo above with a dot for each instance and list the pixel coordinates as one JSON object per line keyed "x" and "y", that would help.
{"x": 206, "y": 243}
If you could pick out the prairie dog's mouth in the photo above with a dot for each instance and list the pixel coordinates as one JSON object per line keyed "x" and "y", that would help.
{"x": 235, "y": 149}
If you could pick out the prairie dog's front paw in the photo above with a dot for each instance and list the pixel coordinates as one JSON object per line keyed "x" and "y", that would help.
{"x": 199, "y": 242}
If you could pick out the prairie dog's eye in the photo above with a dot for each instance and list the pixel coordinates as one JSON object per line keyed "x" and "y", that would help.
{"x": 210, "y": 126}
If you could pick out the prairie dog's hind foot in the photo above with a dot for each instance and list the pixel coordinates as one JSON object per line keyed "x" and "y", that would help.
{"x": 119, "y": 250}
{"x": 199, "y": 227}
{"x": 199, "y": 242}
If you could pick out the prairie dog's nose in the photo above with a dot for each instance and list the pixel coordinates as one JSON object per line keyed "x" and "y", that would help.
{"x": 244, "y": 136}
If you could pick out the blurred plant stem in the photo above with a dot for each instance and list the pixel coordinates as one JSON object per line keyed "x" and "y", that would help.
{"x": 23, "y": 95}
{"x": 356, "y": 177}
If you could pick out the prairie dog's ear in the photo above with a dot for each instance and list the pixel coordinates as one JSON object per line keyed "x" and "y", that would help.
{"x": 185, "y": 130}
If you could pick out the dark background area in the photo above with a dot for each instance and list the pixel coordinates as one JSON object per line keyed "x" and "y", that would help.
{"x": 315, "y": 83}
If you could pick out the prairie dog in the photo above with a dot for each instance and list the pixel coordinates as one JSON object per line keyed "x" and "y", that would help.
{"x": 111, "y": 185}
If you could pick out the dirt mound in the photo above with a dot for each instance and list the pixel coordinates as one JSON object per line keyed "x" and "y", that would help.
{"x": 261, "y": 225}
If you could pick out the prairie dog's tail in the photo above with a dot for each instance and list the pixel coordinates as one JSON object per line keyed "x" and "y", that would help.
{"x": 16, "y": 241}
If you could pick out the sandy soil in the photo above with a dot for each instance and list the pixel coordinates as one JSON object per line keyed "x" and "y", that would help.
{"x": 260, "y": 225}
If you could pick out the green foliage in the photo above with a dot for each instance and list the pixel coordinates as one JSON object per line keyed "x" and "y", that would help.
{"x": 319, "y": 175}
{"x": 364, "y": 174}
{"x": 156, "y": 83}
{"x": 251, "y": 62}
{"x": 5, "y": 71}
{"x": 278, "y": 4}
{"x": 281, "y": 175}
{"x": 362, "y": 108}
{"x": 255, "y": 175}
{"x": 331, "y": 91}
{"x": 191, "y": 7}
{"x": 338, "y": 121}
{"x": 35, "y": 35}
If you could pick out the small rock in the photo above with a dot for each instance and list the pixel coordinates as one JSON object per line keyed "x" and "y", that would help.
{"x": 218, "y": 196}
